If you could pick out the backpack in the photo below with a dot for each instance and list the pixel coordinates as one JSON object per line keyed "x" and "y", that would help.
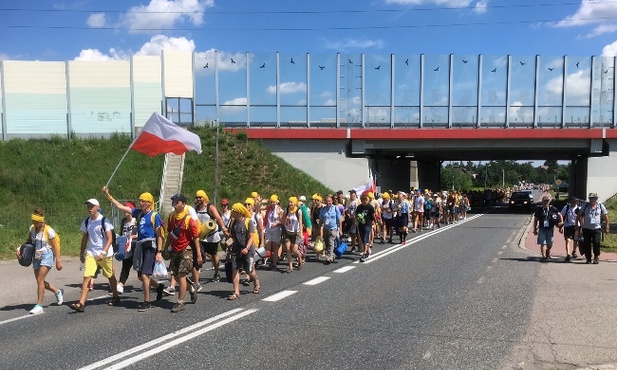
{"x": 428, "y": 205}
{"x": 246, "y": 224}
{"x": 46, "y": 235}
{"x": 114, "y": 243}
{"x": 152, "y": 220}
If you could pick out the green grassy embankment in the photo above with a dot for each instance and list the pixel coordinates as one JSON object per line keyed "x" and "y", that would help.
{"x": 58, "y": 175}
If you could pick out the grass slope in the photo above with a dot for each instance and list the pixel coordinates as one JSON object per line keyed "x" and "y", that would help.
{"x": 58, "y": 175}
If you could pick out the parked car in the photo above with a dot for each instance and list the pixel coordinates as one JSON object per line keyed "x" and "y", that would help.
{"x": 521, "y": 200}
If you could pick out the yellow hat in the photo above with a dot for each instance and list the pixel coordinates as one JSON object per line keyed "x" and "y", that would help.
{"x": 317, "y": 197}
{"x": 274, "y": 198}
{"x": 371, "y": 195}
{"x": 294, "y": 200}
{"x": 241, "y": 209}
{"x": 147, "y": 197}
{"x": 385, "y": 195}
{"x": 201, "y": 193}
{"x": 254, "y": 194}
{"x": 250, "y": 201}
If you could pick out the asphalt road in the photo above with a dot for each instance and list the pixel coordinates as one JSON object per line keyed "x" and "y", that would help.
{"x": 463, "y": 297}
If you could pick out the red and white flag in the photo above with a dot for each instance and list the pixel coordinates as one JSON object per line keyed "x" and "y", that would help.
{"x": 159, "y": 135}
{"x": 368, "y": 187}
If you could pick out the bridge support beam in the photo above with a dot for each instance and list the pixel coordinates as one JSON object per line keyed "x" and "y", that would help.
{"x": 394, "y": 173}
{"x": 601, "y": 173}
{"x": 429, "y": 175}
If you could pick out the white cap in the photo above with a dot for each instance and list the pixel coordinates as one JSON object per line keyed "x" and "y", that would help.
{"x": 302, "y": 198}
{"x": 92, "y": 201}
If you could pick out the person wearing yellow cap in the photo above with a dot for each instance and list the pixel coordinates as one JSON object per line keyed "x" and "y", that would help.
{"x": 149, "y": 244}
{"x": 273, "y": 221}
{"x": 208, "y": 214}
{"x": 388, "y": 215}
{"x": 242, "y": 248}
{"x": 292, "y": 234}
{"x": 316, "y": 205}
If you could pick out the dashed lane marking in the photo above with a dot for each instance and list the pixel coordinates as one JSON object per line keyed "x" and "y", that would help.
{"x": 280, "y": 295}
{"x": 318, "y": 280}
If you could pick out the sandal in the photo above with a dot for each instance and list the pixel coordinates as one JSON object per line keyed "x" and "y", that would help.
{"x": 114, "y": 302}
{"x": 77, "y": 307}
{"x": 233, "y": 297}
{"x": 256, "y": 288}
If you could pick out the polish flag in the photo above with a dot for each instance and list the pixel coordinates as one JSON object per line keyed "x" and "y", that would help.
{"x": 159, "y": 135}
{"x": 366, "y": 188}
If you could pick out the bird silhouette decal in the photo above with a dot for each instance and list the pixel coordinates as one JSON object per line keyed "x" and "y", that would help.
{"x": 550, "y": 69}
{"x": 377, "y": 68}
{"x": 407, "y": 61}
{"x": 321, "y": 67}
{"x": 232, "y": 61}
{"x": 522, "y": 63}
{"x": 263, "y": 65}
{"x": 292, "y": 61}
{"x": 494, "y": 70}
{"x": 577, "y": 64}
{"x": 606, "y": 71}
{"x": 465, "y": 61}
{"x": 206, "y": 66}
{"x": 436, "y": 69}
{"x": 349, "y": 61}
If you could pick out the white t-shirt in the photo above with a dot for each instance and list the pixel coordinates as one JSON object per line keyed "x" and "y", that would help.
{"x": 96, "y": 238}
{"x": 39, "y": 240}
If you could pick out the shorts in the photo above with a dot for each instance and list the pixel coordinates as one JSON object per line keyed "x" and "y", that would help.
{"x": 148, "y": 253}
{"x": 364, "y": 232}
{"x": 47, "y": 259}
{"x": 209, "y": 248}
{"x": 243, "y": 262}
{"x": 92, "y": 264}
{"x": 569, "y": 232}
{"x": 292, "y": 237}
{"x": 273, "y": 235}
{"x": 181, "y": 262}
{"x": 545, "y": 236}
{"x": 388, "y": 222}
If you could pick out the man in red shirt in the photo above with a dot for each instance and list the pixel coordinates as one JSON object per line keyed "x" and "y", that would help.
{"x": 183, "y": 236}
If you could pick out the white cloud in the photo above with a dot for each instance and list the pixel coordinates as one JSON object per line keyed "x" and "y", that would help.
{"x": 288, "y": 88}
{"x": 592, "y": 12}
{"x": 446, "y": 3}
{"x": 96, "y": 20}
{"x": 241, "y": 101}
{"x": 4, "y": 57}
{"x": 95, "y": 54}
{"x": 162, "y": 42}
{"x": 164, "y": 14}
{"x": 330, "y": 102}
{"x": 610, "y": 50}
{"x": 481, "y": 6}
{"x": 326, "y": 94}
{"x": 354, "y": 44}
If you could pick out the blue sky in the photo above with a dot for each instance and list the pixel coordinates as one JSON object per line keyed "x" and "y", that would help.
{"x": 96, "y": 30}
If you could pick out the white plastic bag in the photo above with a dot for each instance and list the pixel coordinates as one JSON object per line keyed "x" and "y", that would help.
{"x": 160, "y": 271}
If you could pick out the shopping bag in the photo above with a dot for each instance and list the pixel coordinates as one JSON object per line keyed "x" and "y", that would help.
{"x": 340, "y": 249}
{"x": 318, "y": 247}
{"x": 160, "y": 271}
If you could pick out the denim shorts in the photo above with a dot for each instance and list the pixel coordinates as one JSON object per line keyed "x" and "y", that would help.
{"x": 545, "y": 236}
{"x": 47, "y": 259}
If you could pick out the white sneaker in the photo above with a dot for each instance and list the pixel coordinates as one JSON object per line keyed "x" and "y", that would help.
{"x": 120, "y": 288}
{"x": 169, "y": 290}
{"x": 60, "y": 297}
{"x": 38, "y": 309}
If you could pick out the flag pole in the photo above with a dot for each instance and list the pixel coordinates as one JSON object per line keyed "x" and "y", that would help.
{"x": 121, "y": 159}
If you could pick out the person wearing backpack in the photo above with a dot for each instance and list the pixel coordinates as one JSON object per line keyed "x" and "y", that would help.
{"x": 242, "y": 248}
{"x": 207, "y": 211}
{"x": 292, "y": 234}
{"x": 545, "y": 218}
{"x": 96, "y": 252}
{"x": 571, "y": 225}
{"x": 47, "y": 248}
{"x": 591, "y": 216}
{"x": 149, "y": 246}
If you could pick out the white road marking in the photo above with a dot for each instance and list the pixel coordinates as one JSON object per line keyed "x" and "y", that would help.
{"x": 178, "y": 341}
{"x": 162, "y": 339}
{"x": 504, "y": 246}
{"x": 16, "y": 318}
{"x": 495, "y": 259}
{"x": 499, "y": 253}
{"x": 318, "y": 280}
{"x": 278, "y": 296}
{"x": 344, "y": 269}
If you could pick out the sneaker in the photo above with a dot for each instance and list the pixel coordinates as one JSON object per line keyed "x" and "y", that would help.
{"x": 179, "y": 306}
{"x": 573, "y": 254}
{"x": 159, "y": 291}
{"x": 169, "y": 290}
{"x": 596, "y": 260}
{"x": 588, "y": 261}
{"x": 246, "y": 282}
{"x": 362, "y": 259}
{"x": 197, "y": 287}
{"x": 120, "y": 288}
{"x": 91, "y": 286}
{"x": 217, "y": 277}
{"x": 193, "y": 296}
{"x": 60, "y": 297}
{"x": 144, "y": 307}
{"x": 38, "y": 309}
{"x": 567, "y": 259}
